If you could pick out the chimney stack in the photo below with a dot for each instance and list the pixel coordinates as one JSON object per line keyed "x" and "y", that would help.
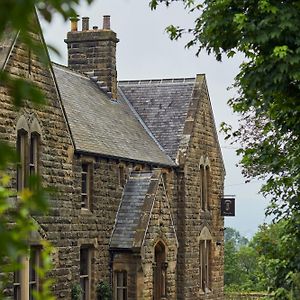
{"x": 106, "y": 22}
{"x": 85, "y": 23}
{"x": 94, "y": 52}
{"x": 74, "y": 21}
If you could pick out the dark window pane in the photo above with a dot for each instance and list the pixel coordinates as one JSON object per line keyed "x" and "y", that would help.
{"x": 84, "y": 253}
{"x": 84, "y": 183}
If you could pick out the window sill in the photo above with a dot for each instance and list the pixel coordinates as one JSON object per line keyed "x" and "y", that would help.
{"x": 85, "y": 211}
{"x": 207, "y": 291}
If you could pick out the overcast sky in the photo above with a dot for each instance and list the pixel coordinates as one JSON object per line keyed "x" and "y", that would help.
{"x": 146, "y": 52}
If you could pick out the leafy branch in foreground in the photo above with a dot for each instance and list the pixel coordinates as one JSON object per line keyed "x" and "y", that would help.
{"x": 266, "y": 32}
{"x": 18, "y": 20}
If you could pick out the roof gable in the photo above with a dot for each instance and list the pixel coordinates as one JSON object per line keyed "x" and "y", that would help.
{"x": 163, "y": 106}
{"x": 134, "y": 202}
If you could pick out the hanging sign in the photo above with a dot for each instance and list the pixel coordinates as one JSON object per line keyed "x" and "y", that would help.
{"x": 228, "y": 207}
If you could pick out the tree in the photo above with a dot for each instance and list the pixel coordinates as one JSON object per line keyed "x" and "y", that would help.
{"x": 266, "y": 32}
{"x": 240, "y": 263}
{"x": 15, "y": 222}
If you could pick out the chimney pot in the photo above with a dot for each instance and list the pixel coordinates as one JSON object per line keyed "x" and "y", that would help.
{"x": 85, "y": 23}
{"x": 106, "y": 22}
{"x": 74, "y": 21}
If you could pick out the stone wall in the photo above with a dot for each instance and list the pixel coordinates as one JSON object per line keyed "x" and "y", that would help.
{"x": 55, "y": 155}
{"x": 160, "y": 229}
{"x": 203, "y": 146}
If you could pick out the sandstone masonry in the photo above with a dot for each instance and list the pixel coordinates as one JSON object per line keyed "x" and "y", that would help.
{"x": 137, "y": 170}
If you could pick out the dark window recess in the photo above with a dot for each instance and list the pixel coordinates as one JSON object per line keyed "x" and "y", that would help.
{"x": 85, "y": 272}
{"x": 85, "y": 181}
{"x": 204, "y": 258}
{"x": 34, "y": 264}
{"x": 17, "y": 285}
{"x": 122, "y": 176}
{"x": 22, "y": 164}
{"x": 34, "y": 154}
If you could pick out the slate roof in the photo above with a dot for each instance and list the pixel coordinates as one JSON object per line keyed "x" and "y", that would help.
{"x": 163, "y": 106}
{"x": 103, "y": 126}
{"x": 130, "y": 210}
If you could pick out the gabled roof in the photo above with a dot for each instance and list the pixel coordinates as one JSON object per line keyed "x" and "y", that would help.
{"x": 135, "y": 209}
{"x": 103, "y": 126}
{"x": 163, "y": 106}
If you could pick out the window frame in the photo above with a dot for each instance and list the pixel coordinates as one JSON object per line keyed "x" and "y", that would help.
{"x": 22, "y": 151}
{"x": 123, "y": 287}
{"x": 205, "y": 260}
{"x": 87, "y": 187}
{"x": 204, "y": 187}
{"x": 122, "y": 177}
{"x": 34, "y": 153}
{"x": 85, "y": 276}
{"x": 22, "y": 287}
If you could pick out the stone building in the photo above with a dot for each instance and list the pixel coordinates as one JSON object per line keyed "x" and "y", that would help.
{"x": 137, "y": 168}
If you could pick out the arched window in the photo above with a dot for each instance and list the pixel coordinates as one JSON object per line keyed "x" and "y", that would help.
{"x": 160, "y": 272}
{"x": 204, "y": 186}
{"x": 34, "y": 153}
{"x": 207, "y": 186}
{"x": 205, "y": 241}
{"x": 22, "y": 146}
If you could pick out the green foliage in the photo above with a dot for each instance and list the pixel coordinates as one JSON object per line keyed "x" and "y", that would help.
{"x": 77, "y": 292}
{"x": 240, "y": 264}
{"x": 104, "y": 291}
{"x": 266, "y": 32}
{"x": 18, "y": 20}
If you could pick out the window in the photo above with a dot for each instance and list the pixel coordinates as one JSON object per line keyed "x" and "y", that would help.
{"x": 25, "y": 167}
{"x": 204, "y": 185}
{"x": 204, "y": 265}
{"x": 85, "y": 272}
{"x": 34, "y": 264}
{"x": 122, "y": 176}
{"x": 27, "y": 280}
{"x": 86, "y": 185}
{"x": 22, "y": 143}
{"x": 207, "y": 187}
{"x": 159, "y": 272}
{"x": 205, "y": 260}
{"x": 121, "y": 285}
{"x": 34, "y": 154}
{"x": 17, "y": 285}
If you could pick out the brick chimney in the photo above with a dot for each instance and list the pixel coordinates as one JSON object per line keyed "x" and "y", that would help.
{"x": 93, "y": 51}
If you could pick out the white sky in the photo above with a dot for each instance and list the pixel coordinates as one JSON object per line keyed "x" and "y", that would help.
{"x": 146, "y": 52}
